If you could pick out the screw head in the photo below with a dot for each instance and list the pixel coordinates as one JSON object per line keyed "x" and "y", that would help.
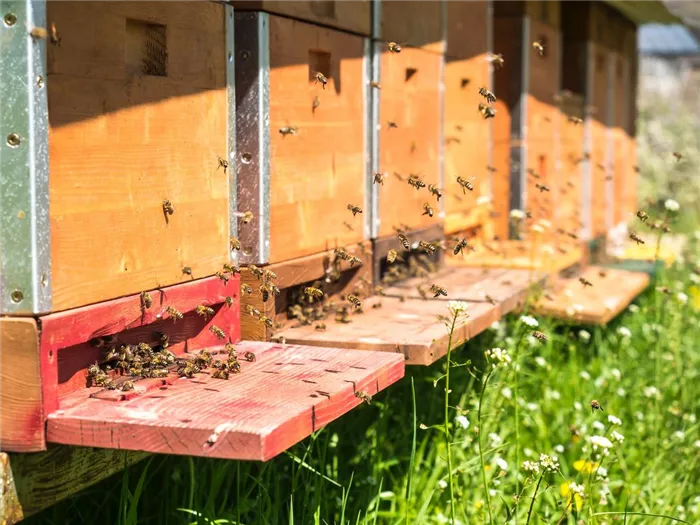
{"x": 17, "y": 296}
{"x": 10, "y": 19}
{"x": 13, "y": 140}
{"x": 246, "y": 158}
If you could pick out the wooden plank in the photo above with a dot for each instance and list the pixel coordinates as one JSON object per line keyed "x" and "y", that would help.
{"x": 21, "y": 414}
{"x": 507, "y": 288}
{"x": 349, "y": 16}
{"x": 408, "y": 327}
{"x": 289, "y": 392}
{"x": 30, "y": 483}
{"x": 410, "y": 98}
{"x": 612, "y": 291}
{"x": 417, "y": 24}
{"x": 315, "y": 174}
{"x": 121, "y": 142}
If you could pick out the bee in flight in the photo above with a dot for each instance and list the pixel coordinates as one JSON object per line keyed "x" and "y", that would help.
{"x": 575, "y": 120}
{"x": 595, "y": 405}
{"x": 313, "y": 292}
{"x": 642, "y": 216}
{"x": 167, "y": 208}
{"x": 490, "y": 300}
{"x": 354, "y": 300}
{"x": 414, "y": 180}
{"x": 354, "y": 209}
{"x": 539, "y": 47}
{"x": 288, "y": 130}
{"x": 636, "y": 238}
{"x": 375, "y": 84}
{"x": 394, "y": 47}
{"x": 438, "y": 290}
{"x": 234, "y": 244}
{"x": 678, "y": 156}
{"x": 435, "y": 191}
{"x": 247, "y": 217}
{"x": 426, "y": 247}
{"x": 585, "y": 282}
{"x": 488, "y": 95}
{"x": 487, "y": 111}
{"x": 428, "y": 210}
{"x": 491, "y": 169}
{"x": 320, "y": 77}
{"x": 460, "y": 246}
{"x": 466, "y": 184}
{"x": 542, "y": 338}
{"x": 222, "y": 276}
{"x": 223, "y": 163}
{"x": 496, "y": 60}
{"x": 392, "y": 125}
{"x": 246, "y": 289}
{"x": 364, "y": 396}
{"x": 379, "y": 178}
{"x": 541, "y": 187}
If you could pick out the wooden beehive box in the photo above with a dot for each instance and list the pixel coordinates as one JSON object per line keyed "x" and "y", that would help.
{"x": 568, "y": 189}
{"x": 301, "y": 145}
{"x": 418, "y": 24}
{"x": 467, "y": 136}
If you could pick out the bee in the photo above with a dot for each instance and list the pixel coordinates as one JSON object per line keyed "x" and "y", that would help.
{"x": 288, "y": 130}
{"x": 230, "y": 268}
{"x": 93, "y": 371}
{"x": 186, "y": 270}
{"x": 321, "y": 327}
{"x": 636, "y": 238}
{"x": 342, "y": 316}
{"x": 234, "y": 366}
{"x": 230, "y": 349}
{"x": 234, "y": 244}
{"x": 466, "y": 185}
{"x": 642, "y": 216}
{"x": 354, "y": 209}
{"x": 487, "y": 111}
{"x": 266, "y": 321}
{"x": 364, "y": 396}
{"x": 257, "y": 272}
{"x": 264, "y": 292}
{"x": 542, "y": 187}
{"x": 375, "y": 84}
{"x": 247, "y": 217}
{"x": 313, "y": 292}
{"x": 379, "y": 290}
{"x": 39, "y": 33}
{"x": 394, "y": 47}
{"x": 218, "y": 332}
{"x": 426, "y": 247}
{"x": 438, "y": 291}
{"x": 573, "y": 235}
{"x": 539, "y": 47}
{"x": 222, "y": 276}
{"x": 491, "y": 169}
{"x": 548, "y": 296}
{"x": 460, "y": 246}
{"x": 146, "y": 300}
{"x": 348, "y": 226}
{"x": 167, "y": 208}
{"x": 204, "y": 311}
{"x": 379, "y": 178}
{"x": 677, "y": 155}
{"x": 187, "y": 369}
{"x": 55, "y": 39}
{"x": 105, "y": 381}
{"x": 320, "y": 77}
{"x": 392, "y": 256}
{"x": 603, "y": 274}
{"x": 221, "y": 373}
{"x": 490, "y": 300}
{"x": 575, "y": 120}
{"x": 490, "y": 97}
{"x": 249, "y": 356}
{"x": 595, "y": 405}
{"x": 223, "y": 163}
{"x": 435, "y": 191}
{"x": 496, "y": 60}
{"x": 414, "y": 181}
{"x": 127, "y": 385}
{"x": 174, "y": 313}
{"x": 163, "y": 338}
{"x": 585, "y": 282}
{"x": 246, "y": 289}
{"x": 404, "y": 241}
{"x": 428, "y": 210}
{"x": 542, "y": 338}
{"x": 354, "y": 300}
{"x": 392, "y": 125}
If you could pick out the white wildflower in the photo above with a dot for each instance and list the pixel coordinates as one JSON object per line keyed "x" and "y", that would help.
{"x": 614, "y": 420}
{"x": 576, "y": 489}
{"x": 598, "y": 425}
{"x": 696, "y": 443}
{"x": 651, "y": 391}
{"x": 633, "y": 308}
{"x": 529, "y": 321}
{"x": 462, "y": 421}
{"x": 585, "y": 375}
{"x": 623, "y": 331}
{"x": 639, "y": 415}
{"x": 531, "y": 467}
{"x": 611, "y": 303}
{"x": 495, "y": 326}
{"x": 442, "y": 484}
{"x": 559, "y": 449}
{"x": 507, "y": 393}
{"x": 498, "y": 357}
{"x": 517, "y": 215}
{"x": 541, "y": 361}
{"x": 528, "y": 452}
{"x": 621, "y": 392}
{"x": 457, "y": 307}
{"x": 616, "y": 373}
{"x": 532, "y": 406}
{"x": 495, "y": 439}
{"x": 602, "y": 472}
{"x": 672, "y": 205}
{"x": 549, "y": 463}
{"x": 682, "y": 298}
{"x": 501, "y": 463}
{"x": 578, "y": 406}
{"x": 553, "y": 394}
{"x": 584, "y": 336}
{"x": 602, "y": 443}
{"x": 617, "y": 437}
{"x": 679, "y": 435}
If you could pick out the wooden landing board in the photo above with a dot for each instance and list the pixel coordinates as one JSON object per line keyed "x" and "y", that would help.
{"x": 507, "y": 288}
{"x": 611, "y": 292}
{"x": 289, "y": 392}
{"x": 518, "y": 255}
{"x": 409, "y": 327}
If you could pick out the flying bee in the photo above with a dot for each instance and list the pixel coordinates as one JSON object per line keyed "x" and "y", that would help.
{"x": 428, "y": 210}
{"x": 349, "y": 226}
{"x": 246, "y": 289}
{"x": 257, "y": 272}
{"x": 126, "y": 385}
{"x": 392, "y": 256}
{"x": 364, "y": 396}
{"x": 354, "y": 209}
{"x": 39, "y": 33}
{"x": 55, "y": 39}
{"x": 234, "y": 244}
{"x": 249, "y": 356}
{"x": 247, "y": 217}
{"x": 230, "y": 268}
{"x": 663, "y": 289}
{"x": 320, "y": 77}
{"x": 438, "y": 291}
{"x": 354, "y": 300}
{"x": 313, "y": 292}
{"x": 678, "y": 156}
{"x": 422, "y": 291}
{"x": 491, "y": 169}
{"x": 375, "y": 84}
{"x": 394, "y": 47}
{"x": 575, "y": 120}
{"x": 496, "y": 60}
{"x": 490, "y": 97}
{"x": 223, "y": 163}
{"x": 542, "y": 187}
{"x": 392, "y": 125}
{"x": 460, "y": 246}
{"x": 490, "y": 300}
{"x": 174, "y": 313}
{"x": 542, "y": 338}
{"x": 353, "y": 260}
{"x": 222, "y": 276}
{"x": 642, "y": 216}
{"x": 379, "y": 178}
{"x": 435, "y": 191}
{"x": 466, "y": 184}
{"x": 204, "y": 311}
{"x": 427, "y": 247}
{"x": 218, "y": 332}
{"x": 414, "y": 181}
{"x": 487, "y": 111}
{"x": 539, "y": 47}
{"x": 288, "y": 130}
{"x": 585, "y": 282}
{"x": 636, "y": 238}
{"x": 404, "y": 241}
{"x": 603, "y": 274}
{"x": 186, "y": 270}
{"x": 168, "y": 208}
{"x": 595, "y": 405}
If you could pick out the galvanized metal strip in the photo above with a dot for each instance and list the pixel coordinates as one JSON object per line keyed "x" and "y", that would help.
{"x": 231, "y": 130}
{"x": 518, "y": 148}
{"x": 374, "y": 111}
{"x": 252, "y": 148}
{"x": 25, "y": 251}
{"x": 367, "y": 124}
{"x": 558, "y": 124}
{"x": 442, "y": 119}
{"x": 609, "y": 145}
{"x": 586, "y": 172}
{"x": 489, "y": 49}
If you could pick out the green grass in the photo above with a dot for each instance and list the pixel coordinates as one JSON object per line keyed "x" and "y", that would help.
{"x": 376, "y": 465}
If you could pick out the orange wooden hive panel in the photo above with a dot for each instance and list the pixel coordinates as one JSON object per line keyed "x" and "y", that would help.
{"x": 599, "y": 139}
{"x": 568, "y": 187}
{"x": 122, "y": 139}
{"x": 620, "y": 146}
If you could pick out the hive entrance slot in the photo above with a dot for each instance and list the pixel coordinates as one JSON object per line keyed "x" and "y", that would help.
{"x": 410, "y": 73}
{"x": 319, "y": 62}
{"x": 146, "y": 49}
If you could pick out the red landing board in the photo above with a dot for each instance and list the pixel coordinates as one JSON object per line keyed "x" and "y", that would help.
{"x": 611, "y": 292}
{"x": 410, "y": 328}
{"x": 289, "y": 392}
{"x": 508, "y": 289}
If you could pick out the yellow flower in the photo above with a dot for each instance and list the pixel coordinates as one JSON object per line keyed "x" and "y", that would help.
{"x": 565, "y": 490}
{"x": 585, "y": 466}
{"x": 695, "y": 297}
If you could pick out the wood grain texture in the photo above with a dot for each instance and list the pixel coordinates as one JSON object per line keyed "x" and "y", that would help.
{"x": 417, "y": 24}
{"x": 600, "y": 168}
{"x": 350, "y": 16}
{"x": 21, "y": 413}
{"x": 289, "y": 392}
{"x": 121, "y": 143}
{"x": 42, "y": 480}
{"x": 508, "y": 288}
{"x": 412, "y": 101}
{"x": 623, "y": 169}
{"x": 612, "y": 291}
{"x": 568, "y": 191}
{"x": 409, "y": 328}
{"x": 315, "y": 175}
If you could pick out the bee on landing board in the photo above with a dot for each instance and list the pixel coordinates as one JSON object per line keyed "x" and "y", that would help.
{"x": 234, "y": 244}
{"x": 288, "y": 130}
{"x": 146, "y": 300}
{"x": 488, "y": 95}
{"x": 257, "y": 272}
{"x": 364, "y": 396}
{"x": 186, "y": 270}
{"x": 247, "y": 217}
{"x": 174, "y": 313}
{"x": 414, "y": 180}
{"x": 320, "y": 77}
{"x": 222, "y": 276}
{"x": 354, "y": 300}
{"x": 354, "y": 209}
{"x": 204, "y": 311}
{"x": 168, "y": 209}
{"x": 438, "y": 290}
{"x": 218, "y": 332}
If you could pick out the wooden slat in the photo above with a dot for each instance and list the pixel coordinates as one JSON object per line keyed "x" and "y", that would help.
{"x": 21, "y": 415}
{"x": 611, "y": 292}
{"x": 30, "y": 483}
{"x": 289, "y": 392}
{"x": 121, "y": 142}
{"x": 507, "y": 288}
{"x": 413, "y": 23}
{"x": 408, "y": 327}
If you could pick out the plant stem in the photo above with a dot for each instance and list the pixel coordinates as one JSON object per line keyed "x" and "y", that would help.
{"x": 517, "y": 416}
{"x": 447, "y": 420}
{"x": 534, "y": 497}
{"x": 481, "y": 448}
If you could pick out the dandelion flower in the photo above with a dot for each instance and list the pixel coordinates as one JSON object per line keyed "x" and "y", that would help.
{"x": 573, "y": 493}
{"x": 672, "y": 205}
{"x": 549, "y": 463}
{"x": 498, "y": 357}
{"x": 529, "y": 321}
{"x": 531, "y": 467}
{"x": 462, "y": 421}
{"x": 617, "y": 437}
{"x": 585, "y": 466}
{"x": 584, "y": 336}
{"x": 625, "y": 332}
{"x": 613, "y": 420}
